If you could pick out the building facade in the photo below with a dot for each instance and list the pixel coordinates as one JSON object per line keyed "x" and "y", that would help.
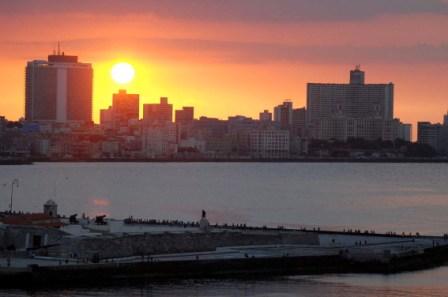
{"x": 160, "y": 141}
{"x": 265, "y": 116}
{"x": 125, "y": 108}
{"x": 341, "y": 111}
{"x": 283, "y": 114}
{"x": 269, "y": 144}
{"x": 185, "y": 115}
{"x": 58, "y": 90}
{"x": 429, "y": 134}
{"x": 405, "y": 132}
{"x": 299, "y": 122}
{"x": 158, "y": 113}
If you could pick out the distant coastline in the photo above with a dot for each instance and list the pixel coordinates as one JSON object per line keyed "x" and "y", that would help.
{"x": 230, "y": 160}
{"x": 299, "y": 160}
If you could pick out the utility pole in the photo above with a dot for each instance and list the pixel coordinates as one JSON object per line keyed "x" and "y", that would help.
{"x": 15, "y": 182}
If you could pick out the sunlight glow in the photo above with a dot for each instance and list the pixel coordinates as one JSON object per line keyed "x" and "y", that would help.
{"x": 122, "y": 73}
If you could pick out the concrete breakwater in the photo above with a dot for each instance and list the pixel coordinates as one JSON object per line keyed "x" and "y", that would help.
{"x": 113, "y": 273}
{"x": 109, "y": 247}
{"x": 89, "y": 252}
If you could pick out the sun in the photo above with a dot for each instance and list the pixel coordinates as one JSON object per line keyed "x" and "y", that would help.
{"x": 122, "y": 73}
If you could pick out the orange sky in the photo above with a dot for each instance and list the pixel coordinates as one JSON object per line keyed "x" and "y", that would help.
{"x": 239, "y": 61}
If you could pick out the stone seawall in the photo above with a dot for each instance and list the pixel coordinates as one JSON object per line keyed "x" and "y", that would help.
{"x": 17, "y": 237}
{"x": 134, "y": 245}
{"x": 126, "y": 273}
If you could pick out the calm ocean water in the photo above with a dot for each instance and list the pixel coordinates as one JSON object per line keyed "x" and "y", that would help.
{"x": 382, "y": 197}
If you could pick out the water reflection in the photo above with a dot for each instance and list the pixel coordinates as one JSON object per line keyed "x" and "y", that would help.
{"x": 307, "y": 286}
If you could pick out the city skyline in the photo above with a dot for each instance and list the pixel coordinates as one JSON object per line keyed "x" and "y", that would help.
{"x": 60, "y": 90}
{"x": 235, "y": 63}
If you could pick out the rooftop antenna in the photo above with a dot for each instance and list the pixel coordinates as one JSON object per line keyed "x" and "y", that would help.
{"x": 59, "y": 48}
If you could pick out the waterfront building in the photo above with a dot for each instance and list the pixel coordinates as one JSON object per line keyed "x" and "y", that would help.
{"x": 341, "y": 111}
{"x": 405, "y": 132}
{"x": 429, "y": 134}
{"x": 209, "y": 128}
{"x": 265, "y": 116}
{"x": 125, "y": 108}
{"x": 269, "y": 144}
{"x": 58, "y": 90}
{"x": 3, "y": 123}
{"x": 107, "y": 118}
{"x": 184, "y": 115}
{"x": 283, "y": 114}
{"x": 191, "y": 145}
{"x": 214, "y": 132}
{"x": 240, "y": 123}
{"x": 299, "y": 122}
{"x": 160, "y": 140}
{"x": 158, "y": 113}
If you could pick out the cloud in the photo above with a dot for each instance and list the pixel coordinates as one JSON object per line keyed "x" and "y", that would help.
{"x": 233, "y": 10}
{"x": 216, "y": 51}
{"x": 242, "y": 52}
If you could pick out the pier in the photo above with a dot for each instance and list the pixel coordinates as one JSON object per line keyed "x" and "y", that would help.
{"x": 77, "y": 252}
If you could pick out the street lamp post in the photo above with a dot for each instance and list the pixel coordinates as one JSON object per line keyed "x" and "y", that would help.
{"x": 15, "y": 182}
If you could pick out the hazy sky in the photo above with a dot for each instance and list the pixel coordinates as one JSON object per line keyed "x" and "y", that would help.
{"x": 230, "y": 57}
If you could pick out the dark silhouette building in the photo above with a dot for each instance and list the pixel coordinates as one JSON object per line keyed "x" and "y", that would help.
{"x": 58, "y": 90}
{"x": 185, "y": 115}
{"x": 265, "y": 116}
{"x": 125, "y": 107}
{"x": 158, "y": 113}
{"x": 283, "y": 115}
{"x": 299, "y": 122}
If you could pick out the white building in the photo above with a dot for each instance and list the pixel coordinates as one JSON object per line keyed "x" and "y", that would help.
{"x": 269, "y": 144}
{"x": 340, "y": 111}
{"x": 160, "y": 140}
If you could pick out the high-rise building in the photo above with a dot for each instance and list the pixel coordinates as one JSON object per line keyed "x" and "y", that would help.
{"x": 125, "y": 107}
{"x": 340, "y": 111}
{"x": 299, "y": 122}
{"x": 58, "y": 90}
{"x": 405, "y": 132}
{"x": 283, "y": 114}
{"x": 445, "y": 120}
{"x": 429, "y": 134}
{"x": 185, "y": 115}
{"x": 158, "y": 113}
{"x": 3, "y": 123}
{"x": 265, "y": 116}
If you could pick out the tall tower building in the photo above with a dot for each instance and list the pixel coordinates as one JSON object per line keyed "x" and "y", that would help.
{"x": 58, "y": 90}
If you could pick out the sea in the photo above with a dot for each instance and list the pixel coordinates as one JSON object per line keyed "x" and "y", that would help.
{"x": 381, "y": 197}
